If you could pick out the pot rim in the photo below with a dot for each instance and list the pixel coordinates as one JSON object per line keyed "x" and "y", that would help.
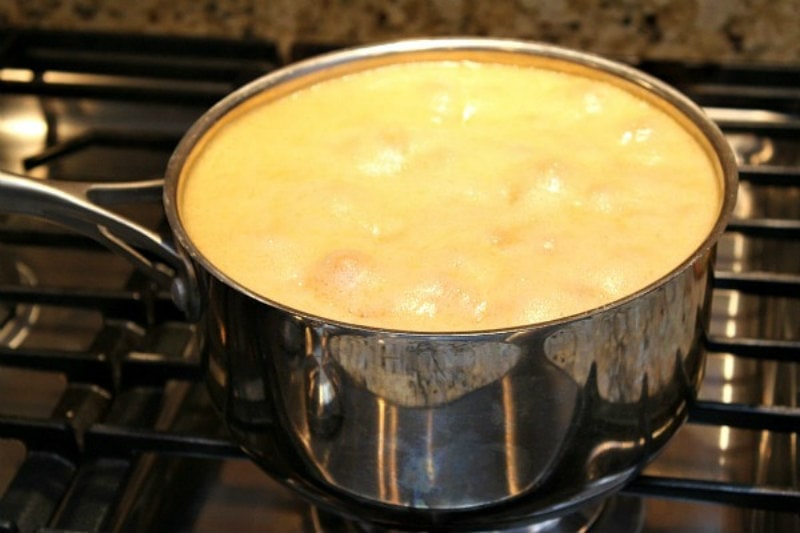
{"x": 325, "y": 66}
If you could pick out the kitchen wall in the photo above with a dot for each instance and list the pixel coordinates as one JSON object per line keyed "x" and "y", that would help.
{"x": 750, "y": 30}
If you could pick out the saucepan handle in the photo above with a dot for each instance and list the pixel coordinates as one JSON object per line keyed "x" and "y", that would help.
{"x": 79, "y": 206}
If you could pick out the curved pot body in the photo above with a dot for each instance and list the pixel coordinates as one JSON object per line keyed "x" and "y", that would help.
{"x": 530, "y": 421}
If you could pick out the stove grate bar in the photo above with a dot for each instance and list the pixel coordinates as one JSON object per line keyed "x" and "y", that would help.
{"x": 770, "y": 175}
{"x": 767, "y": 349}
{"x": 776, "y": 126}
{"x": 135, "y": 305}
{"x": 766, "y": 227}
{"x": 114, "y": 441}
{"x": 187, "y": 95}
{"x": 102, "y": 137}
{"x": 50, "y": 436}
{"x": 785, "y": 99}
{"x": 111, "y": 66}
{"x": 731, "y": 74}
{"x": 80, "y": 366}
{"x": 777, "y": 418}
{"x": 757, "y": 497}
{"x": 730, "y": 85}
{"x": 119, "y": 53}
{"x": 759, "y": 283}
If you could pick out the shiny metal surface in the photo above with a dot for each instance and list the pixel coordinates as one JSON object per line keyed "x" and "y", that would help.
{"x": 79, "y": 206}
{"x": 366, "y": 412}
{"x": 380, "y": 424}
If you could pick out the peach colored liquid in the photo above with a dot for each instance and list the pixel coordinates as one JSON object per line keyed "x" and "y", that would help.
{"x": 450, "y": 196}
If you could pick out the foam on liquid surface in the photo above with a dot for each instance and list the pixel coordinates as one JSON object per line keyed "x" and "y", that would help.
{"x": 450, "y": 196}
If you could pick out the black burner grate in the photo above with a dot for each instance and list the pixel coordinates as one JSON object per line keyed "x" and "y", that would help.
{"x": 131, "y": 414}
{"x": 154, "y": 68}
{"x": 768, "y": 100}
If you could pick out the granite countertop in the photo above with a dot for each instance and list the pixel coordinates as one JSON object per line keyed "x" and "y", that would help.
{"x": 765, "y": 31}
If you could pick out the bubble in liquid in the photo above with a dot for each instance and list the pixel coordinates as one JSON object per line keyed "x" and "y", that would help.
{"x": 349, "y": 278}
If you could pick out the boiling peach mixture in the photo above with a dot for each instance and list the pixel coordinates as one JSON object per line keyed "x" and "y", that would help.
{"x": 449, "y": 196}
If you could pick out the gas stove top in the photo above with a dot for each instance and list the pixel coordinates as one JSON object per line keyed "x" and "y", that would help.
{"x": 105, "y": 424}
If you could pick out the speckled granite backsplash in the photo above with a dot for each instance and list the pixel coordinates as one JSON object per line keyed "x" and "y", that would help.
{"x": 746, "y": 30}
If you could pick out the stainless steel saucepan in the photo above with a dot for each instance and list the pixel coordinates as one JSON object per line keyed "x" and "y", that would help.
{"x": 437, "y": 430}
